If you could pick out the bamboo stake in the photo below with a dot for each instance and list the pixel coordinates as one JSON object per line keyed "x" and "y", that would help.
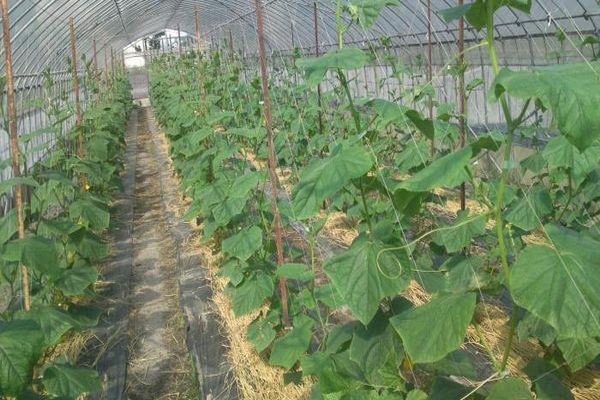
{"x": 430, "y": 70}
{"x": 198, "y": 29}
{"x": 317, "y": 51}
{"x": 112, "y": 62}
{"x": 461, "y": 93}
{"x": 96, "y": 74}
{"x": 231, "y": 51}
{"x": 179, "y": 40}
{"x": 14, "y": 145}
{"x": 272, "y": 166}
{"x": 76, "y": 92}
{"x": 106, "y": 77}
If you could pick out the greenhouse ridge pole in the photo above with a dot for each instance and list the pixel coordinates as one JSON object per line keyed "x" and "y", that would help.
{"x": 96, "y": 75}
{"x": 317, "y": 51}
{"x": 14, "y": 145}
{"x": 461, "y": 93}
{"x": 272, "y": 167}
{"x": 76, "y": 93}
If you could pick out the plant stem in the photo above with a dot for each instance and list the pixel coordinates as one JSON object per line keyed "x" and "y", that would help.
{"x": 569, "y": 199}
{"x": 340, "y": 23}
{"x": 503, "y": 178}
{"x": 353, "y": 111}
{"x": 487, "y": 347}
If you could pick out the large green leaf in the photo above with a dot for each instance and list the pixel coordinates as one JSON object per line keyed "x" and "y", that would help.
{"x": 53, "y": 322}
{"x": 74, "y": 281}
{"x": 510, "y": 389}
{"x": 579, "y": 352}
{"x": 445, "y": 318}
{"x": 570, "y": 91}
{"x": 448, "y": 171}
{"x": 288, "y": 349}
{"x": 92, "y": 213}
{"x": 260, "y": 334}
{"x": 367, "y": 11}
{"x": 560, "y": 284}
{"x": 476, "y": 12}
{"x": 365, "y": 274}
{"x": 21, "y": 344}
{"x": 7, "y": 185}
{"x": 244, "y": 244}
{"x": 459, "y": 235}
{"x": 295, "y": 271}
{"x": 346, "y": 58}
{"x": 8, "y": 226}
{"x": 373, "y": 345}
{"x": 323, "y": 178}
{"x": 252, "y": 293}
{"x": 528, "y": 212}
{"x": 40, "y": 254}
{"x": 70, "y": 382}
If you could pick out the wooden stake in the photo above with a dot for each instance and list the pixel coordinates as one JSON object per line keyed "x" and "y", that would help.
{"x": 430, "y": 70}
{"x": 272, "y": 166}
{"x": 231, "y": 51}
{"x": 317, "y": 53}
{"x": 76, "y": 91}
{"x": 198, "y": 30}
{"x": 179, "y": 40}
{"x": 112, "y": 62}
{"x": 14, "y": 145}
{"x": 461, "y": 93}
{"x": 106, "y": 77}
{"x": 96, "y": 74}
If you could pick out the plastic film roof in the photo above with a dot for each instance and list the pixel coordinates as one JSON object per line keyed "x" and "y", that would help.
{"x": 40, "y": 33}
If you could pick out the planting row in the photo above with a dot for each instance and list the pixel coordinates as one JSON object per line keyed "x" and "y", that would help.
{"x": 529, "y": 250}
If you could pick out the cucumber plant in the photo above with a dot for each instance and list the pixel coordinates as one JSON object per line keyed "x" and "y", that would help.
{"x": 530, "y": 248}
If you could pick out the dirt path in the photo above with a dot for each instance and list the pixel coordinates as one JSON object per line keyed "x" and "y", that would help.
{"x": 159, "y": 366}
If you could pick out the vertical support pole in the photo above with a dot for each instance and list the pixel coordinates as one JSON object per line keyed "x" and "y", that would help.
{"x": 461, "y": 97}
{"x": 200, "y": 77}
{"x": 179, "y": 40}
{"x": 231, "y": 51}
{"x": 272, "y": 166}
{"x": 96, "y": 74}
{"x": 14, "y": 145}
{"x": 317, "y": 53}
{"x": 430, "y": 69}
{"x": 76, "y": 92}
{"x": 292, "y": 50}
{"x": 106, "y": 77}
{"x": 112, "y": 61}
{"x": 198, "y": 29}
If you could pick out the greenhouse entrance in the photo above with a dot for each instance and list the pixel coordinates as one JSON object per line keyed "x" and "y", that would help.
{"x": 320, "y": 199}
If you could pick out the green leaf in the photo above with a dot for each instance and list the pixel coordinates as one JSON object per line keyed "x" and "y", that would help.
{"x": 365, "y": 274}
{"x": 346, "y": 58}
{"x": 459, "y": 235}
{"x": 8, "y": 226}
{"x": 416, "y": 394}
{"x": 251, "y": 294}
{"x": 415, "y": 154}
{"x": 424, "y": 125}
{"x": 260, "y": 334}
{"x": 491, "y": 141}
{"x": 89, "y": 245}
{"x": 448, "y": 171}
{"x": 372, "y": 345}
{"x": 454, "y": 13}
{"x": 367, "y": 11}
{"x": 579, "y": 352}
{"x": 288, "y": 349}
{"x": 528, "y": 212}
{"x": 510, "y": 389}
{"x": 53, "y": 321}
{"x": 74, "y": 281}
{"x": 244, "y": 244}
{"x": 477, "y": 12}
{"x": 40, "y": 255}
{"x": 7, "y": 185}
{"x": 323, "y": 178}
{"x": 71, "y": 382}
{"x": 298, "y": 272}
{"x": 559, "y": 284}
{"x": 95, "y": 215}
{"x": 21, "y": 343}
{"x": 457, "y": 363}
{"x": 445, "y": 318}
{"x": 570, "y": 91}
{"x": 559, "y": 152}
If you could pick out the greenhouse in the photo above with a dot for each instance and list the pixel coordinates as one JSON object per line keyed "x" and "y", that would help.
{"x": 300, "y": 199}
